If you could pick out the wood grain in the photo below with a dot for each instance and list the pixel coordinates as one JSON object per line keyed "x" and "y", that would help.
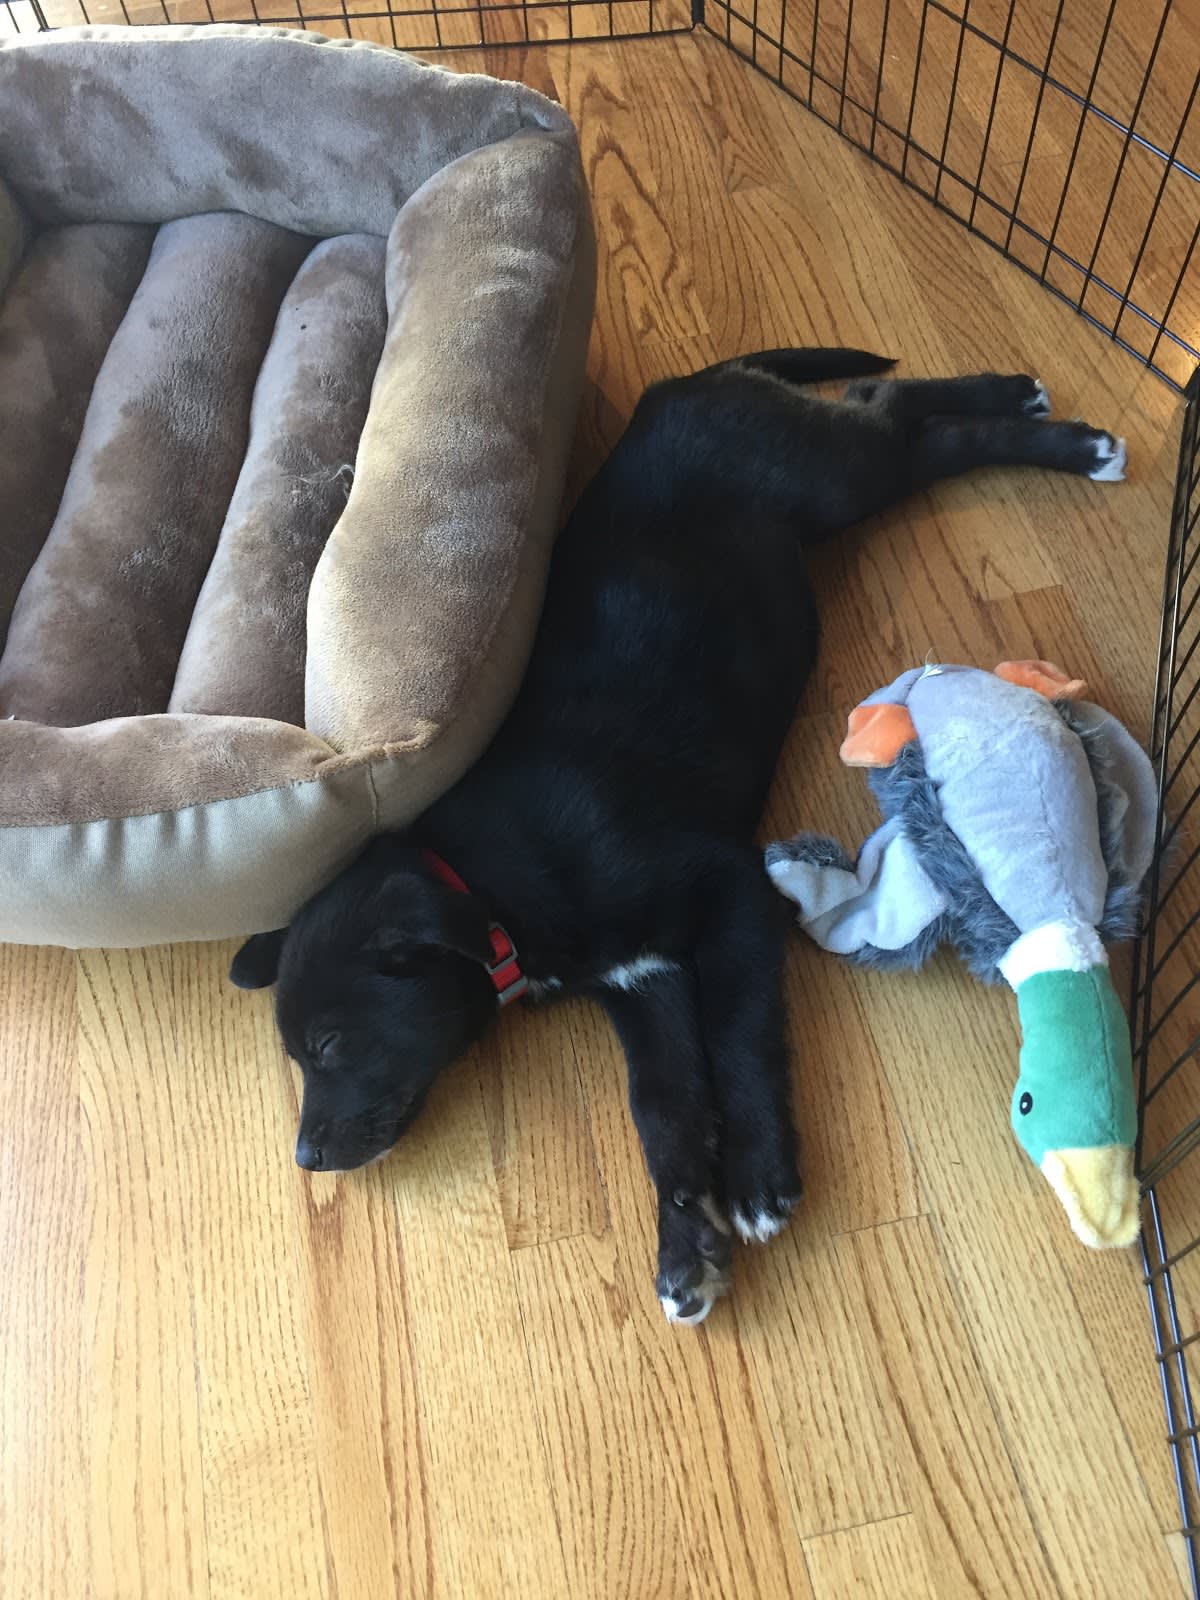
{"x": 448, "y": 1375}
{"x": 877, "y": 1558}
{"x": 969, "y": 1511}
{"x": 45, "y": 1209}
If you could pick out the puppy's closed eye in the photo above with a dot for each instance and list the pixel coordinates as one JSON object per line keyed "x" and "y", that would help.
{"x": 323, "y": 1047}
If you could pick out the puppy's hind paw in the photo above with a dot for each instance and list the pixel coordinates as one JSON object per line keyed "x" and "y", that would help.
{"x": 1111, "y": 457}
{"x": 1038, "y": 403}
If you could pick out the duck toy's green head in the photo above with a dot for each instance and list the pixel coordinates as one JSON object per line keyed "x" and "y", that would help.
{"x": 1020, "y": 827}
{"x": 1073, "y": 1108}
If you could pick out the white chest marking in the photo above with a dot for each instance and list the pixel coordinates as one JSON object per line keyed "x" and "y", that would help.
{"x": 539, "y": 988}
{"x": 633, "y": 974}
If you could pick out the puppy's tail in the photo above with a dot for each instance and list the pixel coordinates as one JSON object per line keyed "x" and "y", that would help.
{"x": 813, "y": 366}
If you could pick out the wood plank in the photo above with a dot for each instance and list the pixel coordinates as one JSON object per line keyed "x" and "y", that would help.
{"x": 680, "y": 1413}
{"x": 146, "y": 1491}
{"x": 45, "y": 1203}
{"x": 258, "y": 1439}
{"x": 426, "y": 1429}
{"x": 648, "y": 283}
{"x": 542, "y": 1152}
{"x": 663, "y": 1473}
{"x": 972, "y": 1520}
{"x": 999, "y": 1226}
{"x": 878, "y": 1558}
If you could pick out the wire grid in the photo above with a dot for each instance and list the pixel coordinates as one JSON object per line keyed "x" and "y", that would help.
{"x": 1064, "y": 132}
{"x": 403, "y": 24}
{"x": 1165, "y": 1000}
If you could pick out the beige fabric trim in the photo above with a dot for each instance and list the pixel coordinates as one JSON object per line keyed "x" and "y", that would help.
{"x": 138, "y": 766}
{"x": 222, "y": 870}
{"x": 418, "y": 575}
{"x": 323, "y": 136}
{"x": 209, "y": 872}
{"x": 490, "y": 692}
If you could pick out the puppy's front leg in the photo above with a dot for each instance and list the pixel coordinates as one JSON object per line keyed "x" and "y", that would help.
{"x": 658, "y": 1025}
{"x": 739, "y": 962}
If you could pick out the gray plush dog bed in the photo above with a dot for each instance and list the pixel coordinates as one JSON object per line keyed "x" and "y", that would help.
{"x": 291, "y": 339}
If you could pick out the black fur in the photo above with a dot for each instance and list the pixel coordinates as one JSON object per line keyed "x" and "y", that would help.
{"x": 614, "y": 815}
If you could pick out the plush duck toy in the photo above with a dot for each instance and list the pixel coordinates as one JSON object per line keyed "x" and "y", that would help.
{"x": 1019, "y": 826}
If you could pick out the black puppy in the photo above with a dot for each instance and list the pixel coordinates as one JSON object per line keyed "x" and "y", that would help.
{"x": 610, "y": 826}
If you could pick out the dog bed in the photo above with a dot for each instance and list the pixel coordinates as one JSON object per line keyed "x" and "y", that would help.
{"x": 292, "y": 333}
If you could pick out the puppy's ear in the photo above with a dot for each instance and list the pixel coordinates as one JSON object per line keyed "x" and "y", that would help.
{"x": 429, "y": 915}
{"x": 257, "y": 962}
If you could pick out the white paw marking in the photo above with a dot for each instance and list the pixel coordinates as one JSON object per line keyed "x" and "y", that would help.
{"x": 756, "y": 1227}
{"x": 1110, "y": 461}
{"x": 714, "y": 1286}
{"x": 671, "y": 1307}
{"x": 633, "y": 974}
{"x": 1039, "y": 405}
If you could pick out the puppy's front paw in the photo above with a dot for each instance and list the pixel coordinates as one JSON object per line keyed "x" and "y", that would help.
{"x": 761, "y": 1216}
{"x": 1110, "y": 458}
{"x": 761, "y": 1179}
{"x": 694, "y": 1253}
{"x": 762, "y": 1189}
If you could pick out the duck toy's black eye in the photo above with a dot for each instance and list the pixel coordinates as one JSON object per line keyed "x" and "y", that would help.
{"x": 1025, "y": 1104}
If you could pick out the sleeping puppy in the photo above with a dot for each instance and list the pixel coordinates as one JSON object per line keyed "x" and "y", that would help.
{"x": 608, "y": 832}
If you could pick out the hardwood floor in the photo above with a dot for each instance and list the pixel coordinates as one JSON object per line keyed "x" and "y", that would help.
{"x": 448, "y": 1375}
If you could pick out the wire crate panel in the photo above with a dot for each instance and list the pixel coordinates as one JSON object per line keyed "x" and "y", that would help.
{"x": 1165, "y": 999}
{"x": 403, "y": 24}
{"x": 1067, "y": 134}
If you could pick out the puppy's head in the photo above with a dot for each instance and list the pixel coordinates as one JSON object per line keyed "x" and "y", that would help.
{"x": 380, "y": 982}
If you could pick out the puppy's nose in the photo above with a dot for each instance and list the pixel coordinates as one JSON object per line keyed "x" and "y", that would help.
{"x": 310, "y": 1156}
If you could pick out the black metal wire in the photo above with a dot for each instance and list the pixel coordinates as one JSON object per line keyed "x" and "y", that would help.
{"x": 1164, "y": 176}
{"x": 1043, "y": 77}
{"x": 1176, "y": 1138}
{"x": 883, "y": 36}
{"x": 994, "y": 102}
{"x": 912, "y": 99}
{"x": 1171, "y": 1355}
{"x": 841, "y": 122}
{"x": 1079, "y": 127}
{"x": 1155, "y": 321}
{"x": 952, "y": 100}
{"x": 812, "y": 65}
{"x": 1137, "y": 107}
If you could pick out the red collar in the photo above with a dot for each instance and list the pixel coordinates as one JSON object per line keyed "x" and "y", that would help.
{"x": 509, "y": 982}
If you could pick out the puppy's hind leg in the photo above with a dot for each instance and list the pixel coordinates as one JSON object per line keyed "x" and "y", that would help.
{"x": 659, "y": 1028}
{"x": 944, "y": 447}
{"x": 984, "y": 394}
